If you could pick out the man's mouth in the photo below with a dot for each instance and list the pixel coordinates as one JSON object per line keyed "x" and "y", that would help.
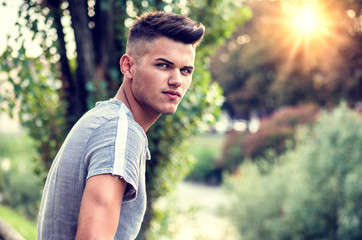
{"x": 172, "y": 94}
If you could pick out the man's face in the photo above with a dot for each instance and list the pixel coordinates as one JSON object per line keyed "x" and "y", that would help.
{"x": 163, "y": 75}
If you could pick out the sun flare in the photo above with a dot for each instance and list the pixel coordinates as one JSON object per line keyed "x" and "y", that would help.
{"x": 307, "y": 20}
{"x": 308, "y": 28}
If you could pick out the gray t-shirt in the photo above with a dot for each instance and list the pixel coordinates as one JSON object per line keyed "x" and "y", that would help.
{"x": 106, "y": 140}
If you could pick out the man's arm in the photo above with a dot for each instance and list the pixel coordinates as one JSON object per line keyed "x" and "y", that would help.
{"x": 100, "y": 208}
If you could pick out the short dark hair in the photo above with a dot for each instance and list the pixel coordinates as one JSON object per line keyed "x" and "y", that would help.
{"x": 152, "y": 25}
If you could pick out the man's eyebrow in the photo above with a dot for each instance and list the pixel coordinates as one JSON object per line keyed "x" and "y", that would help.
{"x": 189, "y": 67}
{"x": 171, "y": 63}
{"x": 165, "y": 60}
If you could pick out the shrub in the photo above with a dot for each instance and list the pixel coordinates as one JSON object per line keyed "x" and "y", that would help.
{"x": 20, "y": 187}
{"x": 232, "y": 155}
{"x": 312, "y": 192}
{"x": 275, "y": 134}
{"x": 277, "y": 129}
{"x": 206, "y": 150}
{"x": 170, "y": 213}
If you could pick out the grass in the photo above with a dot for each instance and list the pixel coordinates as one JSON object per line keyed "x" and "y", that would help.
{"x": 23, "y": 226}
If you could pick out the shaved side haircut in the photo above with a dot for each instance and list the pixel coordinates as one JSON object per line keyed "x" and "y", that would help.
{"x": 153, "y": 25}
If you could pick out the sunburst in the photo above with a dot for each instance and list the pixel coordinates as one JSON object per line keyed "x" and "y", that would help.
{"x": 310, "y": 31}
{"x": 307, "y": 21}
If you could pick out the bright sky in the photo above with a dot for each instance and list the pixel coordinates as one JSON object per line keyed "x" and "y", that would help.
{"x": 8, "y": 16}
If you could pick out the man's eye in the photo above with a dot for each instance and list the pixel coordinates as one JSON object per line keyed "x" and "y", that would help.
{"x": 186, "y": 71}
{"x": 162, "y": 65}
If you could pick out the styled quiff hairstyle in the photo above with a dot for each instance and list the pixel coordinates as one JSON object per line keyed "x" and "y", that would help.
{"x": 152, "y": 25}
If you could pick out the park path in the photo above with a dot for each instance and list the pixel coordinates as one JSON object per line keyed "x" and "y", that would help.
{"x": 205, "y": 222}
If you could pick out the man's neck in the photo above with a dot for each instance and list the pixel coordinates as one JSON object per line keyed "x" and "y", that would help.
{"x": 143, "y": 117}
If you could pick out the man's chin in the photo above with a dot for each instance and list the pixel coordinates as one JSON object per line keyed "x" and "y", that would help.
{"x": 169, "y": 111}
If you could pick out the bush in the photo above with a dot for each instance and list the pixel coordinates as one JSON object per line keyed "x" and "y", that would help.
{"x": 232, "y": 152}
{"x": 274, "y": 135}
{"x": 312, "y": 192}
{"x": 206, "y": 150}
{"x": 170, "y": 213}
{"x": 20, "y": 187}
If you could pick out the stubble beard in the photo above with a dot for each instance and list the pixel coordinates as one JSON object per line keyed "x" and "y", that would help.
{"x": 145, "y": 102}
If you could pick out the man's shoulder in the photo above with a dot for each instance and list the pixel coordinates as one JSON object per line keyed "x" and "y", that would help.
{"x": 105, "y": 112}
{"x": 115, "y": 115}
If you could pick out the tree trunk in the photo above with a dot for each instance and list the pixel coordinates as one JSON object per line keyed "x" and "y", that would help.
{"x": 85, "y": 50}
{"x": 104, "y": 43}
{"x": 74, "y": 109}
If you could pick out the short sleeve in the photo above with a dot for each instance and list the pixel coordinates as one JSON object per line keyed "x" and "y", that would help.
{"x": 116, "y": 148}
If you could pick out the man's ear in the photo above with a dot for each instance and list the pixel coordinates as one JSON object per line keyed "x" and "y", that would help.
{"x": 126, "y": 65}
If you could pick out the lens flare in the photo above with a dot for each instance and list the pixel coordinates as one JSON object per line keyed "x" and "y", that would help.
{"x": 307, "y": 21}
{"x": 308, "y": 31}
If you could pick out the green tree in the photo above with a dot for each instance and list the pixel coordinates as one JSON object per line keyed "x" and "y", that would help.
{"x": 312, "y": 192}
{"x": 271, "y": 61}
{"x": 55, "y": 88}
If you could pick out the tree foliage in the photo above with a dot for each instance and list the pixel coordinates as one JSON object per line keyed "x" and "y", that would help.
{"x": 270, "y": 62}
{"x": 81, "y": 43}
{"x": 274, "y": 136}
{"x": 19, "y": 187}
{"x": 312, "y": 193}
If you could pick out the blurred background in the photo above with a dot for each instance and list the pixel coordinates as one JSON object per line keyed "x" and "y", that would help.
{"x": 267, "y": 144}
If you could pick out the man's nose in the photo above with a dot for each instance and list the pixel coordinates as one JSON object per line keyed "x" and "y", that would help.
{"x": 175, "y": 78}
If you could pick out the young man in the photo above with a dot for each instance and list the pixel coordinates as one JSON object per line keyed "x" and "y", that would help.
{"x": 96, "y": 186}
